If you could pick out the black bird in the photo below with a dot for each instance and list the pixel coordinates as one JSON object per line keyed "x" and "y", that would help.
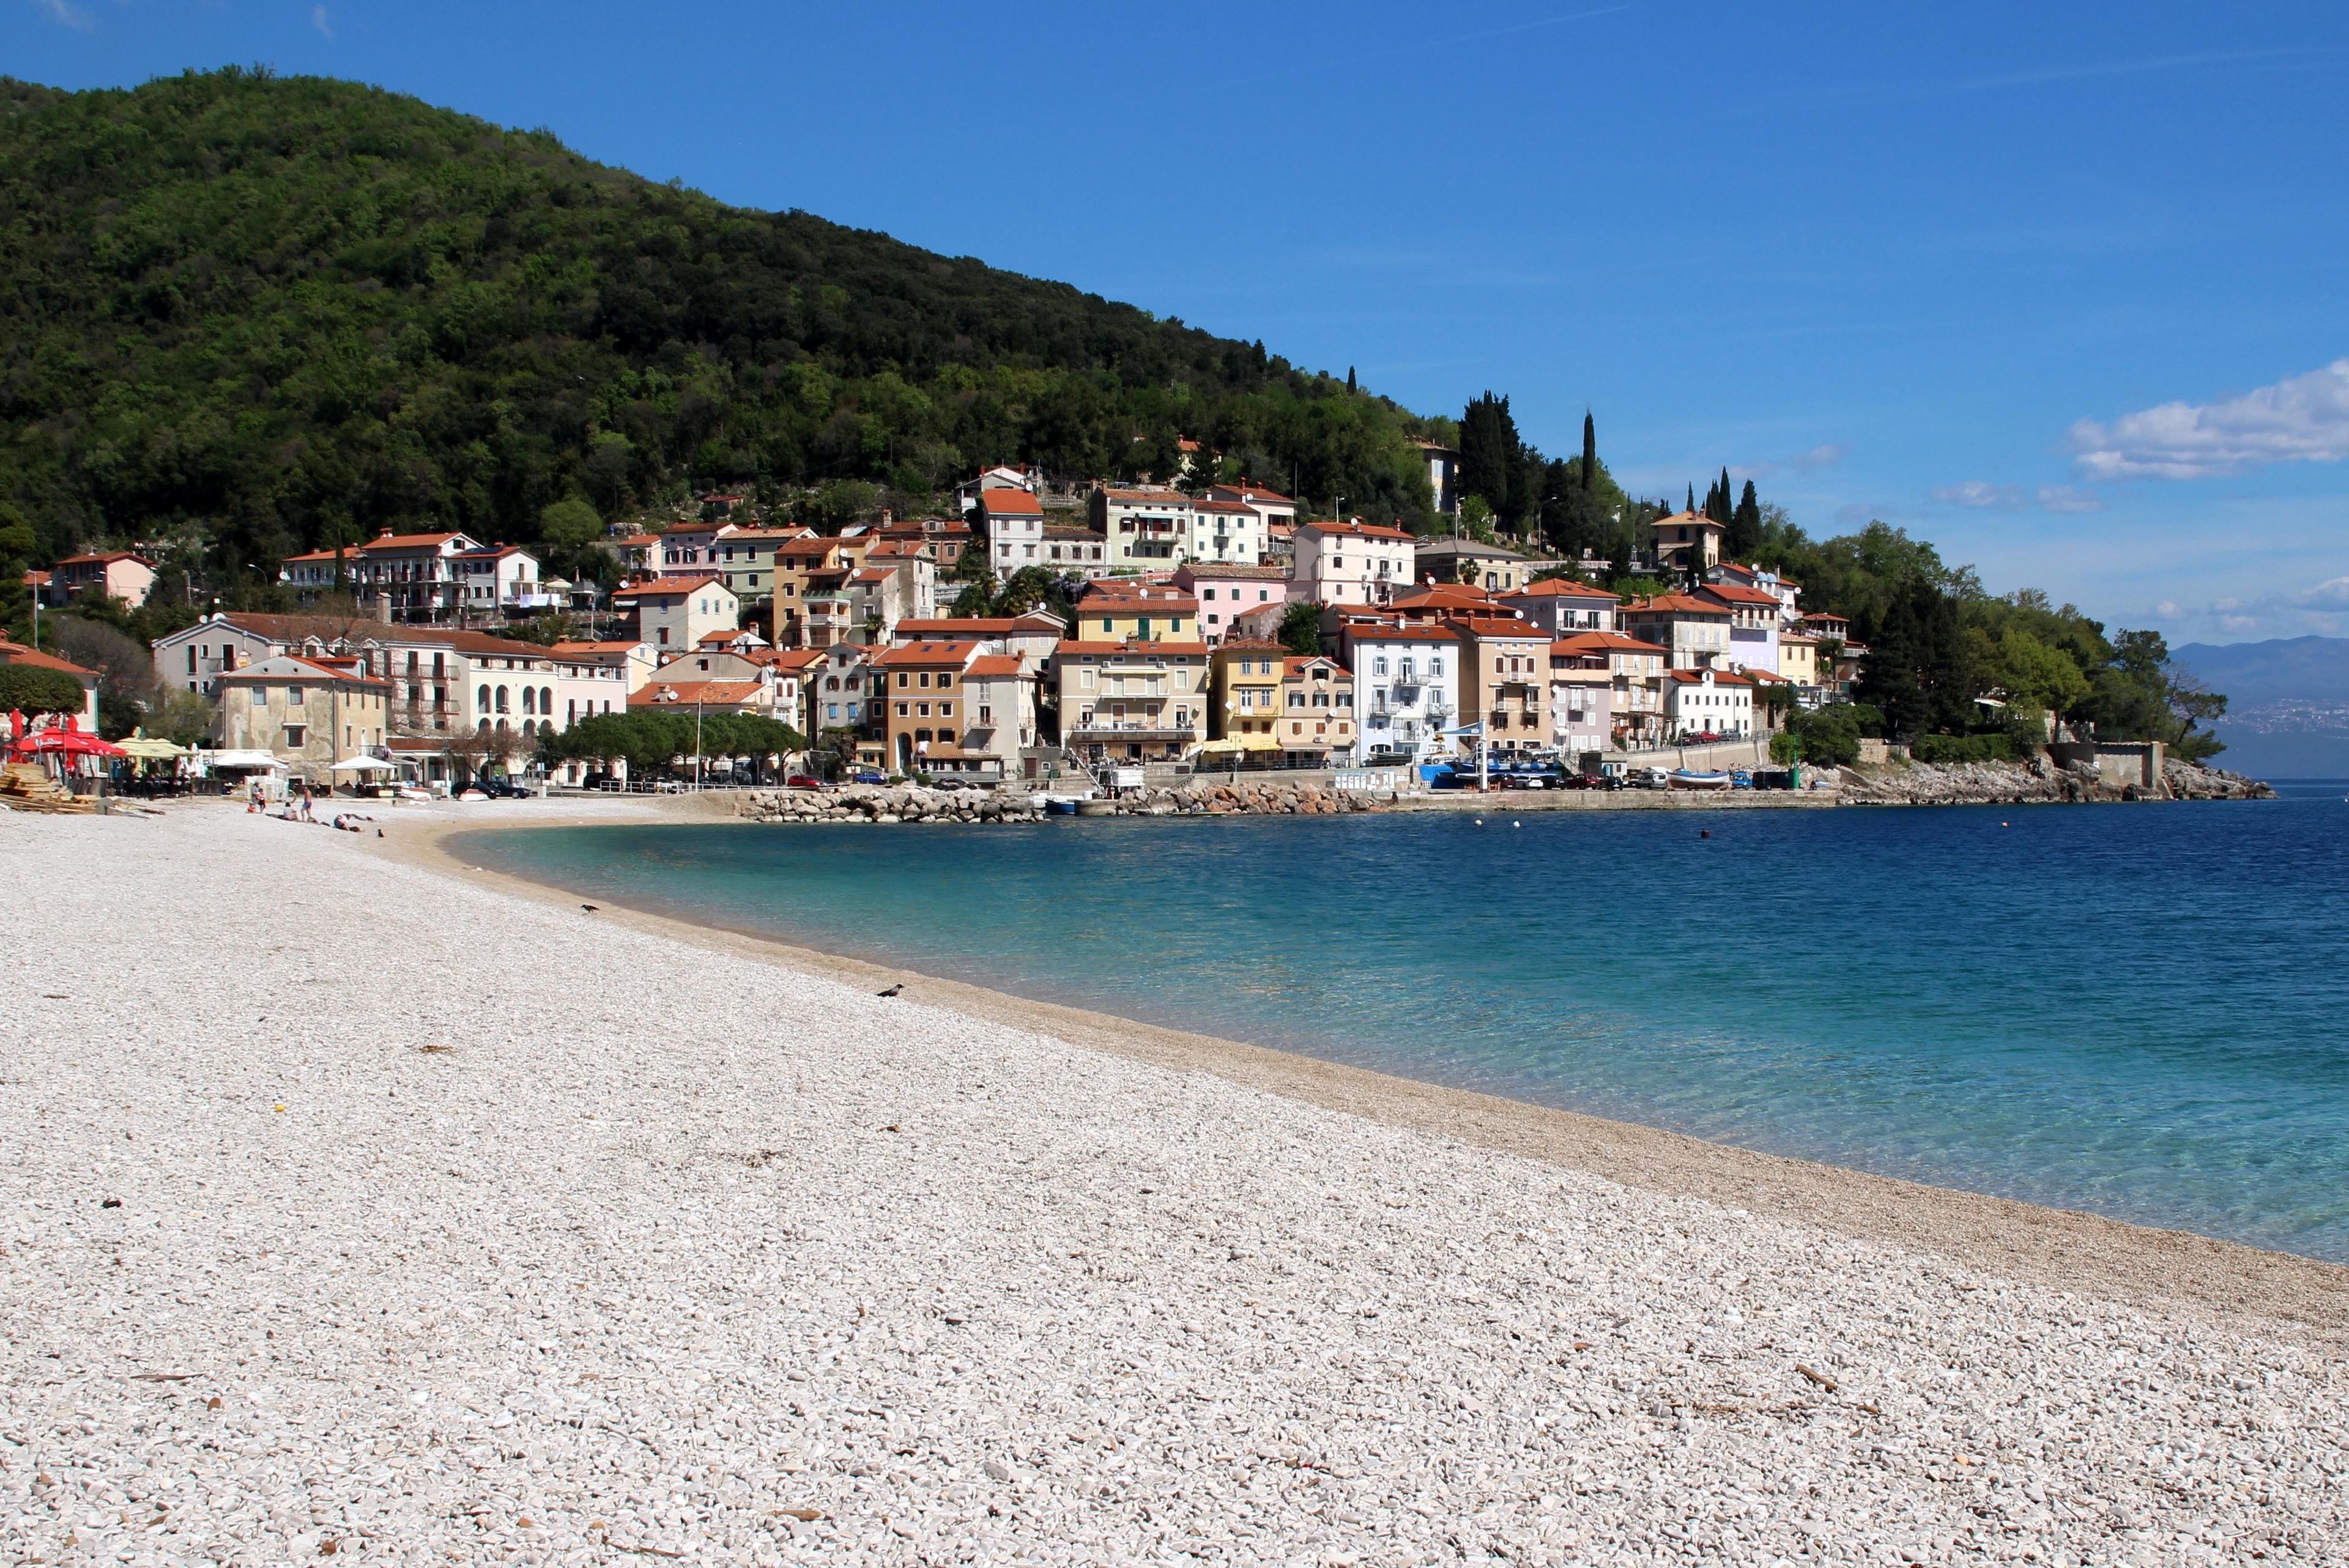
{"x": 893, "y": 990}
{"x": 588, "y": 907}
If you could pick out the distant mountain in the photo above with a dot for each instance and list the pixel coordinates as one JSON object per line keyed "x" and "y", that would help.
{"x": 2288, "y": 704}
{"x": 2253, "y": 674}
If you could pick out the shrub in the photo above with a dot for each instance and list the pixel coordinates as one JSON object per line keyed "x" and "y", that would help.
{"x": 33, "y": 689}
{"x": 1962, "y": 748}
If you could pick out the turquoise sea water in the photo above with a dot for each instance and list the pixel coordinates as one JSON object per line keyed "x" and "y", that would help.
{"x": 2143, "y": 1012}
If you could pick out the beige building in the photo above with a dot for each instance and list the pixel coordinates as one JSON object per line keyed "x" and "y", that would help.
{"x": 1505, "y": 681}
{"x": 1133, "y": 701}
{"x": 309, "y": 714}
{"x": 1317, "y": 712}
{"x": 1144, "y": 530}
{"x": 1113, "y": 612}
{"x": 1687, "y": 542}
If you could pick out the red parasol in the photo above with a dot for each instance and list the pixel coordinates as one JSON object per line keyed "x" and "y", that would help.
{"x": 68, "y": 743}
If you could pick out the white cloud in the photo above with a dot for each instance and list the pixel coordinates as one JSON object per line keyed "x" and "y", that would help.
{"x": 2069, "y": 498}
{"x": 2330, "y": 597}
{"x": 1822, "y": 457}
{"x": 1980, "y": 495}
{"x": 319, "y": 19}
{"x": 2302, "y": 419}
{"x": 65, "y": 14}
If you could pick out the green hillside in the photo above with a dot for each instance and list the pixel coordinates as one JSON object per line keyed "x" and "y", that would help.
{"x": 276, "y": 313}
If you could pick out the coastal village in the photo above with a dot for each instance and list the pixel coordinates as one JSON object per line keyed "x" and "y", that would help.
{"x": 1193, "y": 630}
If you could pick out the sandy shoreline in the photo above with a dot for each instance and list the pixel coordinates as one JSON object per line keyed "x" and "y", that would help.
{"x": 2061, "y": 1248}
{"x": 353, "y": 1204}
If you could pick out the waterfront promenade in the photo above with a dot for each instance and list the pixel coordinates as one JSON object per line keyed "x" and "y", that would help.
{"x": 356, "y": 1204}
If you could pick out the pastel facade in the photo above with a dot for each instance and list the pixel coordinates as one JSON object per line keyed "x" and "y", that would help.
{"x": 1132, "y": 701}
{"x": 105, "y": 575}
{"x": 1687, "y": 542}
{"x": 1754, "y": 622}
{"x": 1244, "y": 687}
{"x": 1504, "y": 682}
{"x": 1144, "y": 529}
{"x": 1693, "y": 633}
{"x": 1226, "y": 592}
{"x": 1406, "y": 692}
{"x": 1013, "y": 523}
{"x": 1562, "y": 606}
{"x": 1317, "y": 712}
{"x": 1348, "y": 563}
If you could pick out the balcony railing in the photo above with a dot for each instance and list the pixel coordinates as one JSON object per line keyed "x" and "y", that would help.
{"x": 1132, "y": 731}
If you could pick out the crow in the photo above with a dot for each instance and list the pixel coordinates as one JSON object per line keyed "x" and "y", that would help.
{"x": 588, "y": 907}
{"x": 893, "y": 990}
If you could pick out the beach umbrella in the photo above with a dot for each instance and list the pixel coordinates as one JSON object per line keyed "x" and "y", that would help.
{"x": 364, "y": 765}
{"x": 68, "y": 742}
{"x": 152, "y": 749}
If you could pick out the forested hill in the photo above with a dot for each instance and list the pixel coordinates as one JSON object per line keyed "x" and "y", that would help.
{"x": 282, "y": 312}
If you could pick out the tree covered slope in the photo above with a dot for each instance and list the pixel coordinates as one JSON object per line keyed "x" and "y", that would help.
{"x": 293, "y": 310}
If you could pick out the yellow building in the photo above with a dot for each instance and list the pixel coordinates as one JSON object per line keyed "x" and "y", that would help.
{"x": 1132, "y": 701}
{"x": 1116, "y": 611}
{"x": 308, "y": 712}
{"x": 1244, "y": 695}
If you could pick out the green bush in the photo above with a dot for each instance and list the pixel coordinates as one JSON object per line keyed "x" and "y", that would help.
{"x": 1962, "y": 748}
{"x": 33, "y": 689}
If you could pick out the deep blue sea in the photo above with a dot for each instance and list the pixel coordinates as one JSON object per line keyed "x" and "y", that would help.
{"x": 2143, "y": 1012}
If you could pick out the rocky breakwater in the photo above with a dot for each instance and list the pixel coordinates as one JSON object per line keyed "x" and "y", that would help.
{"x": 2040, "y": 782}
{"x": 906, "y": 803}
{"x": 1246, "y": 798}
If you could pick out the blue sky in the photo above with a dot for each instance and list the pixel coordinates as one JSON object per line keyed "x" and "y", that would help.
{"x": 2059, "y": 287}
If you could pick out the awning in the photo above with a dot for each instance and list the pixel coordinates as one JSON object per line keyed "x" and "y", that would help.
{"x": 238, "y": 759}
{"x": 364, "y": 765}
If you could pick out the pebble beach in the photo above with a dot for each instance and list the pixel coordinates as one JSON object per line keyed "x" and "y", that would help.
{"x": 358, "y": 1208}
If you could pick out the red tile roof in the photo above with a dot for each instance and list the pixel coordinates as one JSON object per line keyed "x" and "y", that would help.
{"x": 409, "y": 541}
{"x": 1738, "y": 594}
{"x": 18, "y": 653}
{"x": 665, "y": 588}
{"x": 1135, "y": 646}
{"x": 926, "y": 654}
{"x": 995, "y": 664}
{"x": 1495, "y": 627}
{"x": 105, "y": 558}
{"x": 1561, "y": 588}
{"x": 1358, "y": 530}
{"x": 1010, "y": 503}
{"x": 1673, "y": 605}
{"x": 1613, "y": 642}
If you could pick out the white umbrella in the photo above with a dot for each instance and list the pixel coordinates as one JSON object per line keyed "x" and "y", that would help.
{"x": 364, "y": 765}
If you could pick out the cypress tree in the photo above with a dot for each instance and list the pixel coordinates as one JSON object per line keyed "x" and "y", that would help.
{"x": 1745, "y": 535}
{"x": 1691, "y": 497}
{"x": 1350, "y": 379}
{"x": 1589, "y": 452}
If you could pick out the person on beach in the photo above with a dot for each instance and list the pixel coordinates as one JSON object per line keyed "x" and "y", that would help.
{"x": 307, "y": 817}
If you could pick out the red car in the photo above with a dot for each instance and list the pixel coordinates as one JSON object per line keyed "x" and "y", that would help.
{"x": 804, "y": 781}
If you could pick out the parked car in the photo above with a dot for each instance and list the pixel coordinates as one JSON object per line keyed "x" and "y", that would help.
{"x": 1740, "y": 779}
{"x": 868, "y": 776}
{"x": 1647, "y": 778}
{"x": 505, "y": 789}
{"x": 804, "y": 781}
{"x": 600, "y": 780}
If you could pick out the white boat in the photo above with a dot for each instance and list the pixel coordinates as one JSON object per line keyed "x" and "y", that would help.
{"x": 1686, "y": 778}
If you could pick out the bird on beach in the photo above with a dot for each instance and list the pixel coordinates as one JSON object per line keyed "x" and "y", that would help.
{"x": 588, "y": 907}
{"x": 893, "y": 990}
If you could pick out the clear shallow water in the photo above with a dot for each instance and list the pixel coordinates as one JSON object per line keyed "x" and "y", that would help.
{"x": 2141, "y": 1012}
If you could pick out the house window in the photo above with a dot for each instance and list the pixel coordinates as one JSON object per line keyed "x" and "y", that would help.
{"x": 294, "y": 736}
{"x": 904, "y": 710}
{"x": 985, "y": 714}
{"x": 946, "y": 710}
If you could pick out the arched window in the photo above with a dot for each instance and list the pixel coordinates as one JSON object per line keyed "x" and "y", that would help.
{"x": 546, "y": 699}
{"x": 503, "y": 695}
{"x": 482, "y": 699}
{"x": 530, "y": 699}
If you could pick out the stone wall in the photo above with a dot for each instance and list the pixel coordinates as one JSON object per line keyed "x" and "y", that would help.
{"x": 2041, "y": 781}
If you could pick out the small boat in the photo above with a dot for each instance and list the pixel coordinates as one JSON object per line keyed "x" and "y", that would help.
{"x": 1686, "y": 778}
{"x": 1064, "y": 805}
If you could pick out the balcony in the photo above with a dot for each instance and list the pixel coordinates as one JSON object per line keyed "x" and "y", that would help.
{"x": 1130, "y": 730}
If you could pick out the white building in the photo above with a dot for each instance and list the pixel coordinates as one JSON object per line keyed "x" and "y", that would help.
{"x": 1226, "y": 531}
{"x": 1403, "y": 684}
{"x": 495, "y": 582}
{"x": 1350, "y": 564}
{"x": 674, "y": 612}
{"x": 1144, "y": 529}
{"x": 1701, "y": 704}
{"x": 1013, "y": 521}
